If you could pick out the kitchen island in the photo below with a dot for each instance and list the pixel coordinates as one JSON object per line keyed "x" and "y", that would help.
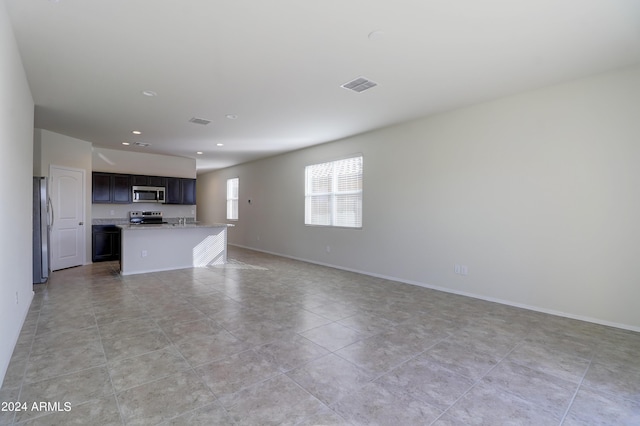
{"x": 163, "y": 247}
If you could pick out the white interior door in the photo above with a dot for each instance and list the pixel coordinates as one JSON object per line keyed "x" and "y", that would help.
{"x": 66, "y": 190}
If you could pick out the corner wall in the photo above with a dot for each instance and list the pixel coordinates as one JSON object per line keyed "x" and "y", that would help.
{"x": 536, "y": 193}
{"x": 60, "y": 150}
{"x": 16, "y": 189}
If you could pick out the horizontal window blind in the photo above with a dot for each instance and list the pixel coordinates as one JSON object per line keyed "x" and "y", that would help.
{"x": 232, "y": 198}
{"x": 333, "y": 193}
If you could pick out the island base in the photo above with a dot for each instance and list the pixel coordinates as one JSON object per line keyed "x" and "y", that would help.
{"x": 168, "y": 248}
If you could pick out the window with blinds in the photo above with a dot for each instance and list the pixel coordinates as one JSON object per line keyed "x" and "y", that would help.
{"x": 232, "y": 198}
{"x": 333, "y": 193}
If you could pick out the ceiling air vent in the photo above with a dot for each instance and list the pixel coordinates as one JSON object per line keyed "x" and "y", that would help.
{"x": 141, "y": 144}
{"x": 359, "y": 84}
{"x": 197, "y": 120}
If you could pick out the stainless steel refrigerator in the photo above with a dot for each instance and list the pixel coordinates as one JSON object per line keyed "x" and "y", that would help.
{"x": 40, "y": 230}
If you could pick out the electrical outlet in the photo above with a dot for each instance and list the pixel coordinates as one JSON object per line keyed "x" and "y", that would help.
{"x": 464, "y": 270}
{"x": 328, "y": 249}
{"x": 143, "y": 253}
{"x": 456, "y": 268}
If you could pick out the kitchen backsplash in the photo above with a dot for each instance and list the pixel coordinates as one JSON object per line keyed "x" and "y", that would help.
{"x": 121, "y": 211}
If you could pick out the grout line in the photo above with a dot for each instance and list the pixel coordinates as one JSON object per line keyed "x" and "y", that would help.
{"x": 477, "y": 382}
{"x": 192, "y": 368}
{"x": 575, "y": 394}
{"x": 106, "y": 360}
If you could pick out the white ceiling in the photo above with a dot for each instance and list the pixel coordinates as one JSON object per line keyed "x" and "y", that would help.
{"x": 279, "y": 64}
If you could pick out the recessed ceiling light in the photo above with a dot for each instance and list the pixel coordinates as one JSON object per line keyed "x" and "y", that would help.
{"x": 199, "y": 152}
{"x": 126, "y": 143}
{"x": 232, "y": 116}
{"x": 219, "y": 144}
{"x": 149, "y": 93}
{"x": 136, "y": 132}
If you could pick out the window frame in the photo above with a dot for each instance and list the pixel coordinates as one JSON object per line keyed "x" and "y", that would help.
{"x": 334, "y": 193}
{"x": 231, "y": 199}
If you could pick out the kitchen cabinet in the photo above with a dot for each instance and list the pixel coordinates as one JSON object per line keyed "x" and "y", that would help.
{"x": 105, "y": 243}
{"x": 121, "y": 189}
{"x": 141, "y": 180}
{"x": 181, "y": 191}
{"x": 115, "y": 188}
{"x": 111, "y": 188}
{"x": 101, "y": 188}
{"x": 188, "y": 187}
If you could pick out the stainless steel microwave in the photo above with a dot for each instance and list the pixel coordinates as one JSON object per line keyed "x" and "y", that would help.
{"x": 148, "y": 194}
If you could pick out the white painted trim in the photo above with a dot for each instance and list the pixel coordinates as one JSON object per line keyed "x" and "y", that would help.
{"x": 460, "y": 293}
{"x": 150, "y": 271}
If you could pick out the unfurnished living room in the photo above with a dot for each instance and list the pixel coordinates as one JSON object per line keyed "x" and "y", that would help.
{"x": 331, "y": 213}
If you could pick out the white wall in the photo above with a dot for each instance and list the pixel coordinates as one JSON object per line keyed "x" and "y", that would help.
{"x": 16, "y": 188}
{"x": 122, "y": 161}
{"x": 538, "y": 194}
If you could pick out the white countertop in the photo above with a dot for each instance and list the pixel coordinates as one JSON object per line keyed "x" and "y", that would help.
{"x": 173, "y": 226}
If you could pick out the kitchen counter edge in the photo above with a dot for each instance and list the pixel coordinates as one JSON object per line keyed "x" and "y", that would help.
{"x": 147, "y": 227}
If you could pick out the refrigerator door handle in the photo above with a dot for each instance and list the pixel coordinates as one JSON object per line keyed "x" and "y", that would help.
{"x": 51, "y": 215}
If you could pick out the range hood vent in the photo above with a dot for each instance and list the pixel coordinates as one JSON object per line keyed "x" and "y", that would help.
{"x": 359, "y": 85}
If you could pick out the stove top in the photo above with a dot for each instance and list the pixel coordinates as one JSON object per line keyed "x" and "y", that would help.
{"x": 145, "y": 218}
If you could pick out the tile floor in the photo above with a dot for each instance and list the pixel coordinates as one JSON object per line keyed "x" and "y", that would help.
{"x": 267, "y": 340}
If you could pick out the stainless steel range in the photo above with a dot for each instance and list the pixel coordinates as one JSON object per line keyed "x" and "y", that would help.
{"x": 145, "y": 218}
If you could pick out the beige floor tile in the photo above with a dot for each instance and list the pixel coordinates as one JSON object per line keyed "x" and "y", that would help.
{"x": 129, "y": 346}
{"x": 291, "y": 352}
{"x": 375, "y": 405}
{"x": 330, "y": 378}
{"x": 463, "y": 360}
{"x": 595, "y": 408}
{"x": 75, "y": 388}
{"x": 229, "y": 375}
{"x": 544, "y": 390}
{"x": 276, "y": 401}
{"x": 137, "y": 370}
{"x": 209, "y": 415}
{"x": 63, "y": 361}
{"x": 615, "y": 378}
{"x": 490, "y": 405}
{"x": 217, "y": 345}
{"x": 287, "y": 342}
{"x": 332, "y": 336}
{"x": 103, "y": 412}
{"x": 163, "y": 399}
{"x": 560, "y": 364}
{"x": 427, "y": 381}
